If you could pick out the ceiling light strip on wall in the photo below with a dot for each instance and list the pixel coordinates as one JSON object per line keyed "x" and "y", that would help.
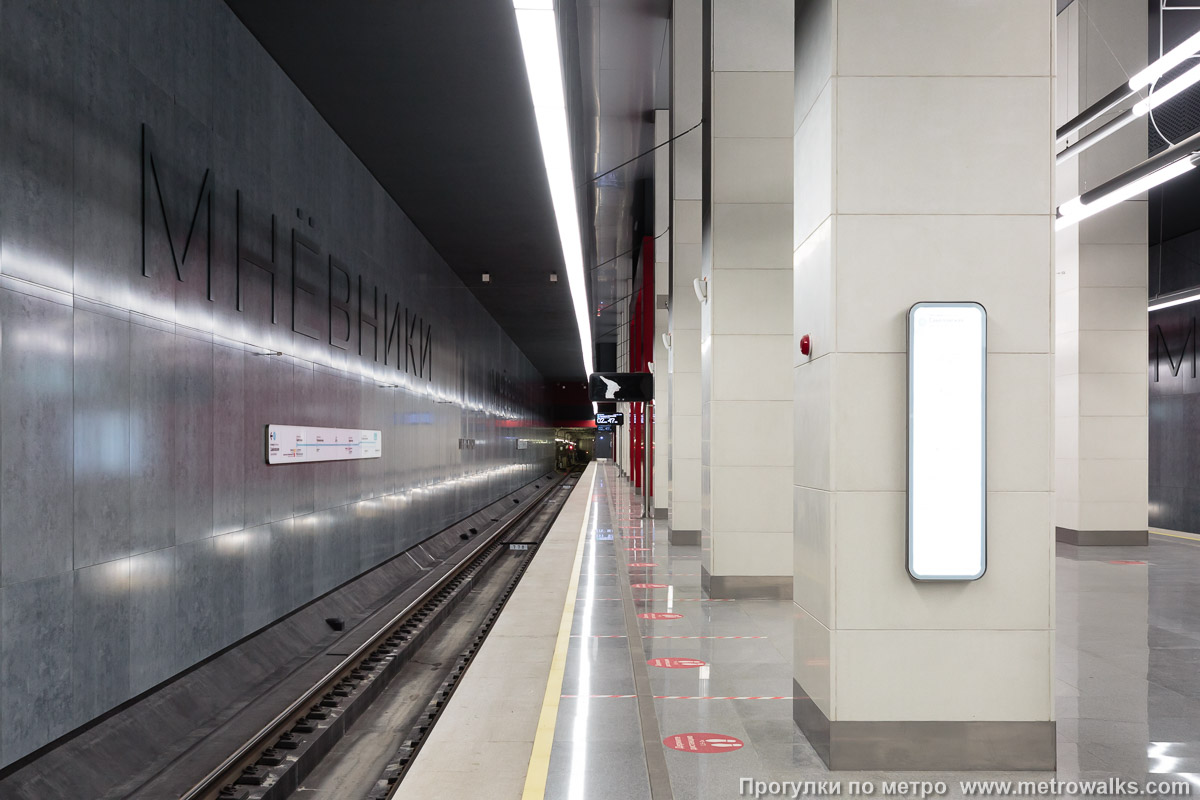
{"x": 539, "y": 43}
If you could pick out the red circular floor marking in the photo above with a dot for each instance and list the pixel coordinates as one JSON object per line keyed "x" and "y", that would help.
{"x": 638, "y": 549}
{"x": 648, "y": 585}
{"x": 703, "y": 743}
{"x": 660, "y": 615}
{"x": 641, "y": 564}
{"x": 676, "y": 663}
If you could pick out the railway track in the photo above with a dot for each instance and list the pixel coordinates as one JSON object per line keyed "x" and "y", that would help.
{"x": 355, "y": 732}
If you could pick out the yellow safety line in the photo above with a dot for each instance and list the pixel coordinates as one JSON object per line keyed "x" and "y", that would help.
{"x": 1177, "y": 536}
{"x": 539, "y": 759}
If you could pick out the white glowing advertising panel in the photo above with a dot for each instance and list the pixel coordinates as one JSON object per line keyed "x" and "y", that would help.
{"x": 947, "y": 430}
{"x": 302, "y": 444}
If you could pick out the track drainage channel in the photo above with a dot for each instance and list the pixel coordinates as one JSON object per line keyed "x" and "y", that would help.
{"x": 299, "y": 750}
{"x": 363, "y": 731}
{"x": 398, "y": 765}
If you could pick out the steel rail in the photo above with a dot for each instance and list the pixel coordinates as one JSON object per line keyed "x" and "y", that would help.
{"x": 229, "y": 769}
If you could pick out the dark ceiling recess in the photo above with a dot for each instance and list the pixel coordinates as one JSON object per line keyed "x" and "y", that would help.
{"x": 433, "y": 98}
{"x": 570, "y": 406}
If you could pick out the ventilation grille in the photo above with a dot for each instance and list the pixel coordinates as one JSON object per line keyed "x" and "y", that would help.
{"x": 1177, "y": 118}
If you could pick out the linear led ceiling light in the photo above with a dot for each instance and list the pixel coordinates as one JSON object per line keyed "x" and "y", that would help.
{"x": 1103, "y": 132}
{"x": 539, "y": 42}
{"x": 1144, "y": 79}
{"x": 1164, "y": 94}
{"x": 1149, "y": 174}
{"x": 1094, "y": 112}
{"x": 1171, "y": 59}
{"x": 1175, "y": 299}
{"x": 1139, "y": 109}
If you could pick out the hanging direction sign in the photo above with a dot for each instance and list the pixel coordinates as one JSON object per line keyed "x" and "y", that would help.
{"x": 621, "y": 387}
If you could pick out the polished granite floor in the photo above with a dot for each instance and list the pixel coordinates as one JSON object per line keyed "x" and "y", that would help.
{"x": 1127, "y": 689}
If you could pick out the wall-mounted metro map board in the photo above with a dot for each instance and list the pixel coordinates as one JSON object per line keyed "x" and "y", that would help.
{"x": 295, "y": 444}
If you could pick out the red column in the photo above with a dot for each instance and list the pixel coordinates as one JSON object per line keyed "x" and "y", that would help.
{"x": 638, "y": 362}
{"x": 647, "y": 331}
{"x": 641, "y": 353}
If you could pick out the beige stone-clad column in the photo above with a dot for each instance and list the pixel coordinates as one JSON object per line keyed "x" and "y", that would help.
{"x": 923, "y": 172}
{"x": 1101, "y": 455}
{"x": 1101, "y": 438}
{"x": 746, "y": 321}
{"x": 683, "y": 407}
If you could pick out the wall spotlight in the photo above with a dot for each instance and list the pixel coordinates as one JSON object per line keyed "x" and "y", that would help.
{"x": 487, "y": 277}
{"x": 701, "y": 287}
{"x": 666, "y": 339}
{"x": 554, "y": 277}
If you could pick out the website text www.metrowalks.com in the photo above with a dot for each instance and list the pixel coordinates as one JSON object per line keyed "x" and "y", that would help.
{"x": 1108, "y": 787}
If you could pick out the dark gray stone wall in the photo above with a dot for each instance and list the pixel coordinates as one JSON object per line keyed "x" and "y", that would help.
{"x": 1174, "y": 419}
{"x": 140, "y": 527}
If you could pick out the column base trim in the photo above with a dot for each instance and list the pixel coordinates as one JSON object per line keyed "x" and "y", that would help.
{"x": 660, "y": 513}
{"x": 746, "y": 587}
{"x": 812, "y": 722}
{"x": 1102, "y": 538}
{"x": 691, "y": 538}
{"x": 925, "y": 745}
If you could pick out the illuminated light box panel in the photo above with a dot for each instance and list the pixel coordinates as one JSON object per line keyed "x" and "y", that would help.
{"x": 947, "y": 451}
{"x": 296, "y": 444}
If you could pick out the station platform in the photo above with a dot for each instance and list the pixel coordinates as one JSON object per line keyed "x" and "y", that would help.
{"x": 611, "y": 676}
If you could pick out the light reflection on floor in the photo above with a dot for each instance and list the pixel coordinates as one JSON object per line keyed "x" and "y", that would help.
{"x": 1127, "y": 686}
